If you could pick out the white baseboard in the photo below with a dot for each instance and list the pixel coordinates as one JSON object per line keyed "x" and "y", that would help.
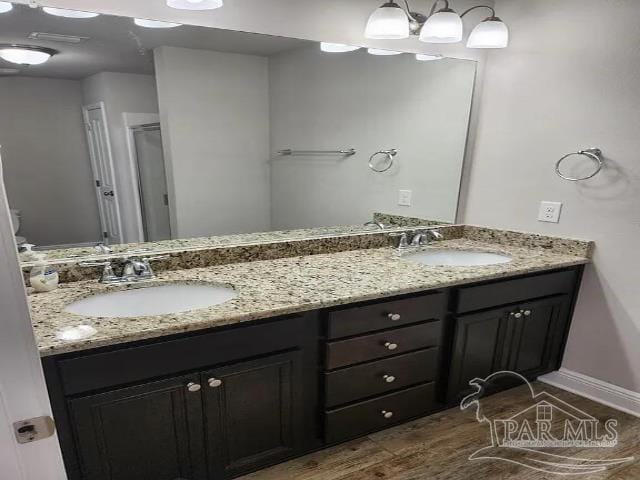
{"x": 602, "y": 392}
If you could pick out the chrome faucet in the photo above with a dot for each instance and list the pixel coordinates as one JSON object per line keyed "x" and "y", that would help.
{"x": 380, "y": 225}
{"x": 134, "y": 269}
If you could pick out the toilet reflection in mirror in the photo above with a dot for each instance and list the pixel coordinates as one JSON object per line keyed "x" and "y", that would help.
{"x": 129, "y": 134}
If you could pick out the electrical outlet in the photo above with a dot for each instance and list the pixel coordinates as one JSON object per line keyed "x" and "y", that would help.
{"x": 550, "y": 212}
{"x": 404, "y": 198}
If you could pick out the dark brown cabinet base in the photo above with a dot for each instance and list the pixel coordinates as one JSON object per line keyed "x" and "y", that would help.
{"x": 224, "y": 402}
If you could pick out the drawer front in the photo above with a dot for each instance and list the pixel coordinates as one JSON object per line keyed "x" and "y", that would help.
{"x": 379, "y": 413}
{"x": 379, "y": 316}
{"x": 505, "y": 292}
{"x": 342, "y": 353}
{"x": 375, "y": 378}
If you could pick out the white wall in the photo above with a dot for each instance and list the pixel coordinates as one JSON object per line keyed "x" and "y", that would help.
{"x": 47, "y": 169}
{"x": 214, "y": 112}
{"x": 570, "y": 80}
{"x": 122, "y": 93}
{"x": 325, "y": 101}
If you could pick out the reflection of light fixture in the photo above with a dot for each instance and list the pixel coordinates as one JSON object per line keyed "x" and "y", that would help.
{"x": 143, "y": 22}
{"x": 63, "y": 12}
{"x": 389, "y": 22}
{"x": 195, "y": 4}
{"x": 492, "y": 33}
{"x": 378, "y": 51}
{"x": 337, "y": 47}
{"x": 5, "y": 7}
{"x": 26, "y": 54}
{"x": 423, "y": 57}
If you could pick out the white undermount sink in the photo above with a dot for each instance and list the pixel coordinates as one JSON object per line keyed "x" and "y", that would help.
{"x": 457, "y": 258}
{"x": 152, "y": 300}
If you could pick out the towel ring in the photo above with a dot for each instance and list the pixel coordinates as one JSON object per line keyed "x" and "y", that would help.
{"x": 390, "y": 159}
{"x": 594, "y": 154}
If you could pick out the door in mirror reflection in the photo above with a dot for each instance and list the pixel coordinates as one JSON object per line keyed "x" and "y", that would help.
{"x": 152, "y": 181}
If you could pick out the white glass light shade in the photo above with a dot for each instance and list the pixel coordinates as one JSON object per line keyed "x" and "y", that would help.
{"x": 378, "y": 51}
{"x": 142, "y": 22}
{"x": 489, "y": 34}
{"x": 195, "y": 4}
{"x": 423, "y": 57}
{"x": 442, "y": 27}
{"x": 24, "y": 56}
{"x": 389, "y": 22}
{"x": 63, "y": 12}
{"x": 5, "y": 7}
{"x": 337, "y": 47}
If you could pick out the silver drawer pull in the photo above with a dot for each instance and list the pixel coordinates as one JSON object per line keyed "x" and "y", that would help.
{"x": 386, "y": 414}
{"x": 527, "y": 313}
{"x": 518, "y": 315}
{"x": 193, "y": 387}
{"x": 214, "y": 382}
{"x": 394, "y": 317}
{"x": 390, "y": 346}
{"x": 389, "y": 378}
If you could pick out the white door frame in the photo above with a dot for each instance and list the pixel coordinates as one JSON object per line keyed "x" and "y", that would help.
{"x": 94, "y": 167}
{"x": 132, "y": 120}
{"x": 23, "y": 392}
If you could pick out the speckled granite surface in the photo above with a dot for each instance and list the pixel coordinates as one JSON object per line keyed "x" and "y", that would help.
{"x": 282, "y": 286}
{"x": 402, "y": 221}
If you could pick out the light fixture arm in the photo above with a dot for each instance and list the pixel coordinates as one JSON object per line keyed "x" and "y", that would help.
{"x": 435, "y": 5}
{"x": 493, "y": 12}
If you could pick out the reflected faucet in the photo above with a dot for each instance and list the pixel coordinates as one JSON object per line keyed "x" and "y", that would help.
{"x": 380, "y": 225}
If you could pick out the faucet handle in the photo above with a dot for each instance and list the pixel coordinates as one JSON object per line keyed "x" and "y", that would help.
{"x": 403, "y": 242}
{"x": 107, "y": 270}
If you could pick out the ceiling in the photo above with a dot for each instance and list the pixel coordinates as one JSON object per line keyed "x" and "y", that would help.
{"x": 116, "y": 44}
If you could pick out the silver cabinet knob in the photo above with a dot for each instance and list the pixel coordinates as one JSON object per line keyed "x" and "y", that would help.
{"x": 518, "y": 315}
{"x": 394, "y": 317}
{"x": 193, "y": 387}
{"x": 390, "y": 346}
{"x": 389, "y": 378}
{"x": 214, "y": 382}
{"x": 386, "y": 414}
{"x": 527, "y": 313}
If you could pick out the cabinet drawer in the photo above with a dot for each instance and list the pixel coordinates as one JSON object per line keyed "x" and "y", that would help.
{"x": 379, "y": 413}
{"x": 511, "y": 291}
{"x": 342, "y": 353}
{"x": 379, "y": 316}
{"x": 374, "y": 378}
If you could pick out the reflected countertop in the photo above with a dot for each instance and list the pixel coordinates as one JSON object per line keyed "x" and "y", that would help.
{"x": 270, "y": 288}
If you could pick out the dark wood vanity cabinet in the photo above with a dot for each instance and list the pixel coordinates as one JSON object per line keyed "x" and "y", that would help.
{"x": 216, "y": 404}
{"x": 526, "y": 337}
{"x": 250, "y": 400}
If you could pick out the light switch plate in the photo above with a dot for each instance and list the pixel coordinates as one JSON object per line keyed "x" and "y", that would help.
{"x": 404, "y": 198}
{"x": 550, "y": 212}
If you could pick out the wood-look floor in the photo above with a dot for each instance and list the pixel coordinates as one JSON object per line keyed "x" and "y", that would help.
{"x": 438, "y": 447}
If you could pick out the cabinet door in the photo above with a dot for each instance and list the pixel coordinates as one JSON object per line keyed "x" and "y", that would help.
{"x": 477, "y": 349}
{"x": 253, "y": 413}
{"x": 538, "y": 330}
{"x": 147, "y": 432}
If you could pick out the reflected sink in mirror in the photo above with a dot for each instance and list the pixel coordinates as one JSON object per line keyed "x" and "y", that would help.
{"x": 457, "y": 258}
{"x": 152, "y": 300}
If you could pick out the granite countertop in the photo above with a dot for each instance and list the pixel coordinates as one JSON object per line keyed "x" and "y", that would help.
{"x": 282, "y": 286}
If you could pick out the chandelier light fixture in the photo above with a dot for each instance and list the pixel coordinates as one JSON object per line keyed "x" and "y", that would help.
{"x": 441, "y": 25}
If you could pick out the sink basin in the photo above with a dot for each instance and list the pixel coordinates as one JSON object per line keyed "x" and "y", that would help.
{"x": 457, "y": 258}
{"x": 152, "y": 300}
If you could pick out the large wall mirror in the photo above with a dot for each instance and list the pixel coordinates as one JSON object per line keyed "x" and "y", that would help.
{"x": 133, "y": 133}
